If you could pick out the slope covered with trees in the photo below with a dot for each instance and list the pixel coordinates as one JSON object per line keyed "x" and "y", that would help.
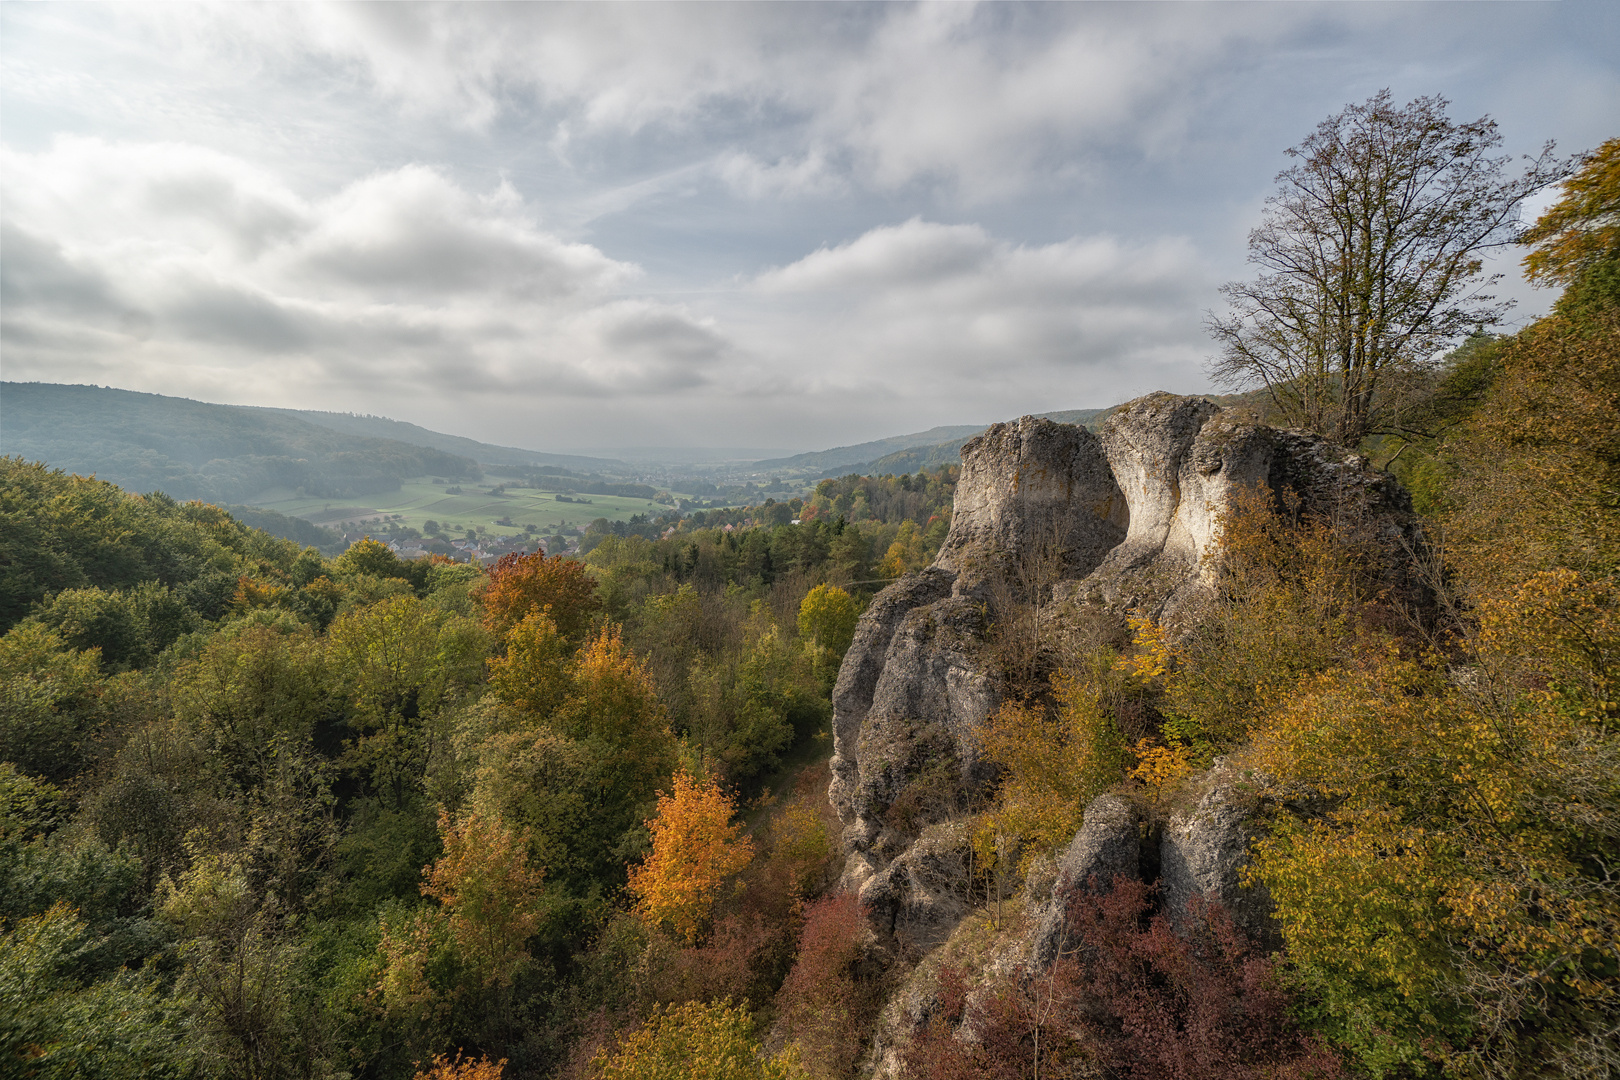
{"x": 194, "y": 450}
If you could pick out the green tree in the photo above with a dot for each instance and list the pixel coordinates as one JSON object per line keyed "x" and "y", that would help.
{"x": 402, "y": 661}
{"x": 55, "y": 1025}
{"x": 48, "y": 699}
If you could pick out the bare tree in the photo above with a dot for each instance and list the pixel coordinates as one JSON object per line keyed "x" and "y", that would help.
{"x": 1370, "y": 257}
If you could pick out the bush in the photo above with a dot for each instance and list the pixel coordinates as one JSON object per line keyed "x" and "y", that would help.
{"x": 1132, "y": 998}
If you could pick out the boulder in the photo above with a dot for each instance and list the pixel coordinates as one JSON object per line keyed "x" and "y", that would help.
{"x": 1029, "y": 488}
{"x": 1107, "y": 844}
{"x": 1204, "y": 851}
{"x": 915, "y": 902}
{"x": 864, "y": 664}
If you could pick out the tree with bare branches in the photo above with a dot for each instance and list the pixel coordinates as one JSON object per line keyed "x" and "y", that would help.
{"x": 1371, "y": 262}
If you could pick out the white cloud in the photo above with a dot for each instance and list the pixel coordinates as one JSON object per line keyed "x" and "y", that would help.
{"x": 982, "y": 100}
{"x": 934, "y": 310}
{"x": 167, "y": 255}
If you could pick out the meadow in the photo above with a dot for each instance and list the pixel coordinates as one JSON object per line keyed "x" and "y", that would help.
{"x": 419, "y": 500}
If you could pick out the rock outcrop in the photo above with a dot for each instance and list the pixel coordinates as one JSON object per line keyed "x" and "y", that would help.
{"x": 1108, "y": 844}
{"x": 1121, "y": 522}
{"x": 1204, "y": 851}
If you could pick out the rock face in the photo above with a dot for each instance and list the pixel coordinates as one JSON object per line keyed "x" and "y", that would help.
{"x": 1125, "y": 521}
{"x": 1204, "y": 852}
{"x": 1028, "y": 485}
{"x": 1107, "y": 844}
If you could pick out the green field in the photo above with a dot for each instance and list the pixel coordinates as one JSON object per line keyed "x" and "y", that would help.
{"x": 419, "y": 500}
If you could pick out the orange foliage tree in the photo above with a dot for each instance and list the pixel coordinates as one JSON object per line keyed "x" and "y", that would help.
{"x": 520, "y": 584}
{"x": 695, "y": 848}
{"x": 458, "y": 1069}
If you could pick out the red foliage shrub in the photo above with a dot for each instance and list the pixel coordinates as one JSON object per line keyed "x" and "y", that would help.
{"x": 1136, "y": 999}
{"x": 1202, "y": 1003}
{"x": 735, "y": 961}
{"x": 821, "y": 1005}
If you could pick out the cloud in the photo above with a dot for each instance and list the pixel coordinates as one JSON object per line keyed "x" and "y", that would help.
{"x": 414, "y": 232}
{"x": 983, "y": 101}
{"x": 168, "y": 255}
{"x": 951, "y": 312}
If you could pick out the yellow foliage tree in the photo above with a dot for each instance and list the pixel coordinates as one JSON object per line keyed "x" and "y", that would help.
{"x": 463, "y": 1069}
{"x": 908, "y": 552}
{"x": 534, "y": 675}
{"x": 1454, "y": 885}
{"x": 1056, "y": 759}
{"x": 1583, "y": 227}
{"x": 695, "y": 848}
{"x": 695, "y": 1041}
{"x": 827, "y": 616}
{"x": 489, "y": 892}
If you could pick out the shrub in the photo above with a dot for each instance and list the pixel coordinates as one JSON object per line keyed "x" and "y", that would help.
{"x": 821, "y": 1006}
{"x": 1131, "y": 998}
{"x": 695, "y": 1041}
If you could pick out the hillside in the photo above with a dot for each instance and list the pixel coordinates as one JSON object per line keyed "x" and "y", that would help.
{"x": 194, "y": 450}
{"x": 381, "y": 427}
{"x": 861, "y": 453}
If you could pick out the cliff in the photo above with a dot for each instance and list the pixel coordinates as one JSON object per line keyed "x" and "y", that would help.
{"x": 1064, "y": 530}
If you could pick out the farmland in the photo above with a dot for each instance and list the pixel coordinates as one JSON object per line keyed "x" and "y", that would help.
{"x": 420, "y": 500}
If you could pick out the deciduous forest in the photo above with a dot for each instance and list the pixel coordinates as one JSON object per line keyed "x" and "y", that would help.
{"x": 267, "y": 813}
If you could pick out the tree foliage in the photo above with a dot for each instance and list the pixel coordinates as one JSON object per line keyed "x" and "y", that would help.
{"x": 1582, "y": 230}
{"x": 520, "y": 584}
{"x": 695, "y": 848}
{"x": 489, "y": 893}
{"x": 695, "y": 1041}
{"x": 827, "y": 617}
{"x": 1370, "y": 259}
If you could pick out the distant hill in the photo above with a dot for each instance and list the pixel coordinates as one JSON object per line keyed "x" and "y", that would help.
{"x": 948, "y": 451}
{"x": 382, "y": 427}
{"x": 297, "y": 530}
{"x": 188, "y": 449}
{"x": 861, "y": 453}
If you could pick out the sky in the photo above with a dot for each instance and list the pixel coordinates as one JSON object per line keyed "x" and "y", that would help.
{"x": 779, "y": 226}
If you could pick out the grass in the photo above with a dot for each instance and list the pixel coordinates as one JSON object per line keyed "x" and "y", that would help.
{"x": 419, "y": 500}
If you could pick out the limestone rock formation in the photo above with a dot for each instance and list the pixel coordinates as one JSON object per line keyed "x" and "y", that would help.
{"x": 1027, "y": 485}
{"x": 1124, "y": 522}
{"x": 918, "y": 899}
{"x": 1107, "y": 844}
{"x": 1204, "y": 851}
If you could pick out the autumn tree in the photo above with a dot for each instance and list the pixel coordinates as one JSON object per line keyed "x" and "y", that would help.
{"x": 1055, "y": 757}
{"x": 519, "y": 584}
{"x": 695, "y": 848}
{"x": 489, "y": 893}
{"x": 459, "y": 1068}
{"x": 1581, "y": 231}
{"x": 1371, "y": 261}
{"x": 535, "y": 674}
{"x": 695, "y": 1041}
{"x": 1537, "y": 467}
{"x": 827, "y": 616}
